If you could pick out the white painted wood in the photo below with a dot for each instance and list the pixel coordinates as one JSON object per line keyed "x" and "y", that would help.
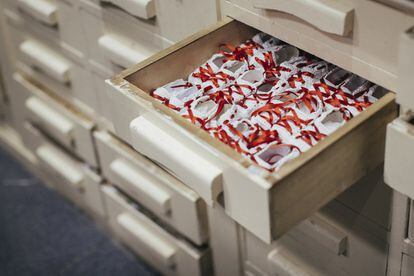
{"x": 123, "y": 51}
{"x": 332, "y": 16}
{"x": 144, "y": 9}
{"x": 56, "y": 122}
{"x": 145, "y": 188}
{"x": 43, "y": 10}
{"x": 405, "y": 95}
{"x": 60, "y": 164}
{"x": 284, "y": 263}
{"x": 162, "y": 250}
{"x": 187, "y": 214}
{"x": 189, "y": 166}
{"x": 399, "y": 158}
{"x": 42, "y": 57}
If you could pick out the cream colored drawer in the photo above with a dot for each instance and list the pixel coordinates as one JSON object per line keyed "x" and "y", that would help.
{"x": 335, "y": 241}
{"x": 44, "y": 60}
{"x": 399, "y": 156}
{"x": 163, "y": 195}
{"x": 174, "y": 19}
{"x": 407, "y": 267}
{"x": 356, "y": 35}
{"x": 57, "y": 18}
{"x": 264, "y": 203}
{"x": 72, "y": 178}
{"x": 112, "y": 45}
{"x": 167, "y": 253}
{"x": 59, "y": 119}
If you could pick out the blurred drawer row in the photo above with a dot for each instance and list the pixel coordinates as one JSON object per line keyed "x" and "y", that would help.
{"x": 335, "y": 241}
{"x": 167, "y": 251}
{"x": 266, "y": 204}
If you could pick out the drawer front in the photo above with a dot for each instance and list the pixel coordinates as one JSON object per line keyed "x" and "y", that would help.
{"x": 152, "y": 187}
{"x": 170, "y": 19}
{"x": 57, "y": 18}
{"x": 398, "y": 156}
{"x": 262, "y": 202}
{"x": 70, "y": 177}
{"x": 349, "y": 36}
{"x": 57, "y": 118}
{"x": 44, "y": 60}
{"x": 405, "y": 96}
{"x": 112, "y": 46}
{"x": 335, "y": 244}
{"x": 407, "y": 267}
{"x": 168, "y": 254}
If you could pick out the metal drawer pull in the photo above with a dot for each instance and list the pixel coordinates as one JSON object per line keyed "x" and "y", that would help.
{"x": 59, "y": 124}
{"x": 147, "y": 239}
{"x": 60, "y": 164}
{"x": 332, "y": 16}
{"x": 43, "y": 10}
{"x": 141, "y": 185}
{"x": 119, "y": 50}
{"x": 47, "y": 60}
{"x": 144, "y": 9}
{"x": 188, "y": 165}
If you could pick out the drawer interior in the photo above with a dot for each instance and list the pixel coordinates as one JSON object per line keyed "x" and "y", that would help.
{"x": 299, "y": 187}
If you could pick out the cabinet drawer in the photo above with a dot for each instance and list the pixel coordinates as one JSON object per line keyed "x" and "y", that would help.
{"x": 111, "y": 43}
{"x": 70, "y": 177}
{"x": 44, "y": 60}
{"x": 163, "y": 195}
{"x": 407, "y": 267}
{"x": 167, "y": 253}
{"x": 334, "y": 241}
{"x": 174, "y": 19}
{"x": 57, "y": 18}
{"x": 267, "y": 204}
{"x": 399, "y": 155}
{"x": 369, "y": 48}
{"x": 59, "y": 119}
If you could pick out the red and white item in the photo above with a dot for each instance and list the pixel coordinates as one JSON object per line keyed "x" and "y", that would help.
{"x": 268, "y": 100}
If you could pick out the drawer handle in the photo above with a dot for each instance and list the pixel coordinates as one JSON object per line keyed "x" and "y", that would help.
{"x": 147, "y": 239}
{"x": 46, "y": 60}
{"x": 59, "y": 124}
{"x": 332, "y": 16}
{"x": 59, "y": 163}
{"x": 144, "y": 9}
{"x": 44, "y": 10}
{"x": 188, "y": 165}
{"x": 320, "y": 230}
{"x": 119, "y": 50}
{"x": 142, "y": 185}
{"x": 283, "y": 262}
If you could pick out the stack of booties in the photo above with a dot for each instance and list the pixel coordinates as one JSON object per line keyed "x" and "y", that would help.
{"x": 268, "y": 100}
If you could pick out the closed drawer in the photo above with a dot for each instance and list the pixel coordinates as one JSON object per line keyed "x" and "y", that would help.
{"x": 335, "y": 241}
{"x": 399, "y": 155}
{"x": 44, "y": 60}
{"x": 173, "y": 19}
{"x": 267, "y": 204}
{"x": 167, "y": 253}
{"x": 57, "y": 18}
{"x": 407, "y": 267}
{"x": 353, "y": 34}
{"x": 59, "y": 119}
{"x": 70, "y": 177}
{"x": 111, "y": 43}
{"x": 163, "y": 195}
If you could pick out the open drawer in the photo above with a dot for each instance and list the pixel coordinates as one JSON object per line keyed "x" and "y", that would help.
{"x": 267, "y": 204}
